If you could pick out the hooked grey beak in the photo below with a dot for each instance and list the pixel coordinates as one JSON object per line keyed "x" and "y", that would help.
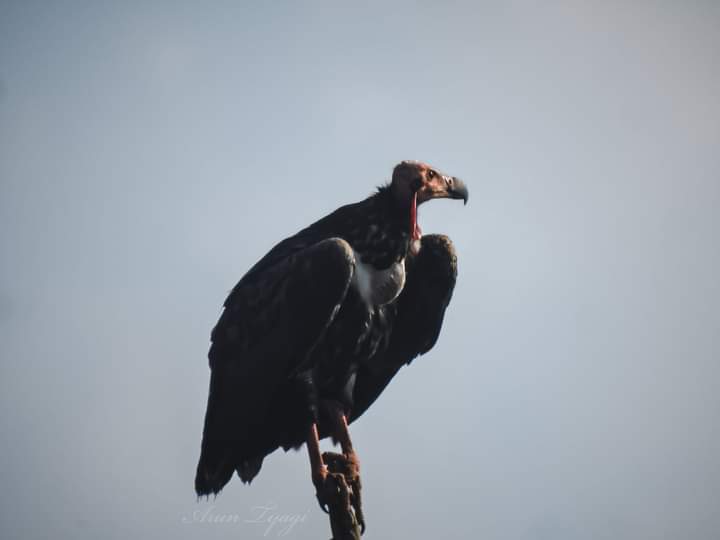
{"x": 456, "y": 188}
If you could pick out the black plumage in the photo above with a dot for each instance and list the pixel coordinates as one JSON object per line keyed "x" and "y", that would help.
{"x": 328, "y": 315}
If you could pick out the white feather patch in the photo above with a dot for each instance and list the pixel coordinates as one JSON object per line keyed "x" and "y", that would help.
{"x": 378, "y": 287}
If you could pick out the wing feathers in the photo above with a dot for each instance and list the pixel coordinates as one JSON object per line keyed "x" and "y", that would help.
{"x": 269, "y": 325}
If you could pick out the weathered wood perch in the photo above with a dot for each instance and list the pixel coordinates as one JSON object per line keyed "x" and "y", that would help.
{"x": 342, "y": 494}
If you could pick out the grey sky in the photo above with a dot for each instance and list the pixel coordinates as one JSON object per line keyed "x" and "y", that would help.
{"x": 149, "y": 154}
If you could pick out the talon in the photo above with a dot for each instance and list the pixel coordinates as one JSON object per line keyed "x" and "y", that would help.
{"x": 319, "y": 480}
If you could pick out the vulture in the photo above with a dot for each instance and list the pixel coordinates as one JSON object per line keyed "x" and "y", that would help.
{"x": 314, "y": 332}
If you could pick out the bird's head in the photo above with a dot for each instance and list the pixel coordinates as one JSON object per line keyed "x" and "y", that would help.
{"x": 414, "y": 182}
{"x": 417, "y": 180}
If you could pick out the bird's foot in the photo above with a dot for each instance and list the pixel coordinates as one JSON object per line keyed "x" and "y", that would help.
{"x": 319, "y": 479}
{"x": 345, "y": 472}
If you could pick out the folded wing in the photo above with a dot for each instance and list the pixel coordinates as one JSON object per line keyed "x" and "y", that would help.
{"x": 272, "y": 320}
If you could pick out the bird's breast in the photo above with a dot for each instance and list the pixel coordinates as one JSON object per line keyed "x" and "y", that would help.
{"x": 378, "y": 287}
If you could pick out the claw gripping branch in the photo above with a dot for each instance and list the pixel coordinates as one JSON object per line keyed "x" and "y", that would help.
{"x": 341, "y": 493}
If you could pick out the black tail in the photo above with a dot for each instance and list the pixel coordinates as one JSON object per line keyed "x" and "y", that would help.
{"x": 215, "y": 467}
{"x": 217, "y": 456}
{"x": 217, "y": 464}
{"x": 223, "y": 451}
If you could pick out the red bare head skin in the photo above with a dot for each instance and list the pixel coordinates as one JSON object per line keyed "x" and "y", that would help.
{"x": 412, "y": 178}
{"x": 414, "y": 182}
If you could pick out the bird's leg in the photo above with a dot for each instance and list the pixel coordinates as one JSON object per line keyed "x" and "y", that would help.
{"x": 351, "y": 464}
{"x": 342, "y": 433}
{"x": 318, "y": 469}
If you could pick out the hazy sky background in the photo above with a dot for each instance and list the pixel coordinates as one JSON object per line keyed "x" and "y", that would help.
{"x": 151, "y": 152}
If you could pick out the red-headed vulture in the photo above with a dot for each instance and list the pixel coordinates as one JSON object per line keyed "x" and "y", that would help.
{"x": 315, "y": 331}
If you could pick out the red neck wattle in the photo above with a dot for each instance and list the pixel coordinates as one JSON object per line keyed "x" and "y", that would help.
{"x": 414, "y": 227}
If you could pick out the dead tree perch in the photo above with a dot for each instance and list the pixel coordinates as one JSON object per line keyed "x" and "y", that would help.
{"x": 341, "y": 492}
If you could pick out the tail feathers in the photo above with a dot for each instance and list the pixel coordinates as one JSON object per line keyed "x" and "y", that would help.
{"x": 217, "y": 466}
{"x": 249, "y": 468}
{"x": 214, "y": 470}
